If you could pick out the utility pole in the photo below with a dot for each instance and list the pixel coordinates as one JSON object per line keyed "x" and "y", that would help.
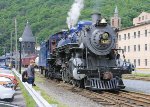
{"x": 36, "y": 45}
{"x": 4, "y": 51}
{"x": 11, "y": 43}
{"x": 16, "y": 61}
{"x": 11, "y": 49}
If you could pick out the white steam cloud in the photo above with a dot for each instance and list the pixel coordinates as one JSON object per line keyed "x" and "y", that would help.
{"x": 74, "y": 13}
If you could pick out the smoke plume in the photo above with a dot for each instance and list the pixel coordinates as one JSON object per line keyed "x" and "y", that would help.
{"x": 74, "y": 13}
{"x": 96, "y": 6}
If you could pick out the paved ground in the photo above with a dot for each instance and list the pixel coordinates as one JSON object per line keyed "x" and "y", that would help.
{"x": 7, "y": 104}
{"x": 137, "y": 85}
{"x": 18, "y": 100}
{"x": 144, "y": 71}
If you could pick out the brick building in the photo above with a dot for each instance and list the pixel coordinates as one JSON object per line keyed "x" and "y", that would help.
{"x": 115, "y": 21}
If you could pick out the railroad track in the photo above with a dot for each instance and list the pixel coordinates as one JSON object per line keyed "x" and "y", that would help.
{"x": 110, "y": 99}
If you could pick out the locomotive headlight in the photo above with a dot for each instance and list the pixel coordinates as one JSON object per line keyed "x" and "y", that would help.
{"x": 105, "y": 36}
{"x": 104, "y": 39}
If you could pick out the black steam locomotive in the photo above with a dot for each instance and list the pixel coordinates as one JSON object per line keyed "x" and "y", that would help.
{"x": 85, "y": 56}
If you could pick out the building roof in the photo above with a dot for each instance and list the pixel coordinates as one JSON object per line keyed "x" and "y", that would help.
{"x": 142, "y": 18}
{"x": 116, "y": 12}
{"x": 137, "y": 23}
{"x": 143, "y": 13}
{"x": 27, "y": 35}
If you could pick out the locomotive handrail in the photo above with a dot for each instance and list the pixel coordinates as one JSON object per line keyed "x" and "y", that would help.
{"x": 40, "y": 101}
{"x": 66, "y": 45}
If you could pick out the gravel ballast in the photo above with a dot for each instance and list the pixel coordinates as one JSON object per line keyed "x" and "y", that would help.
{"x": 64, "y": 96}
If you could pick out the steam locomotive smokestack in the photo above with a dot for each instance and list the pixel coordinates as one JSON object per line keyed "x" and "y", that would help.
{"x": 95, "y": 17}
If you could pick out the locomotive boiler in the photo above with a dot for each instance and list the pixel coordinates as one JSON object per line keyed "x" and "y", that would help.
{"x": 86, "y": 56}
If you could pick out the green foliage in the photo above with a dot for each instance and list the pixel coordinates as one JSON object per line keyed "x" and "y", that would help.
{"x": 49, "y": 16}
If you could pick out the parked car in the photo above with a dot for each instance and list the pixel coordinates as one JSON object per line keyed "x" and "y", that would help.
{"x": 6, "y": 90}
{"x": 7, "y": 82}
{"x": 5, "y": 67}
{"x": 4, "y": 70}
{"x": 10, "y": 75}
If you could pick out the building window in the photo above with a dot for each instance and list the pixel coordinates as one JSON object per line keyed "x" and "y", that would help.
{"x": 145, "y": 47}
{"x": 138, "y": 34}
{"x": 128, "y": 48}
{"x": 134, "y": 34}
{"x": 118, "y": 22}
{"x": 112, "y": 22}
{"x": 124, "y": 48}
{"x": 128, "y": 60}
{"x": 119, "y": 37}
{"x": 145, "y": 62}
{"x": 29, "y": 45}
{"x": 138, "y": 62}
{"x": 135, "y": 62}
{"x": 139, "y": 18}
{"x": 23, "y": 45}
{"x": 138, "y": 47}
{"x": 124, "y": 36}
{"x": 119, "y": 49}
{"x": 134, "y": 47}
{"x": 128, "y": 35}
{"x": 142, "y": 17}
{"x": 145, "y": 33}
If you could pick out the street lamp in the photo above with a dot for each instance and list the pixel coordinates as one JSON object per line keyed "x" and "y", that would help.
{"x": 20, "y": 40}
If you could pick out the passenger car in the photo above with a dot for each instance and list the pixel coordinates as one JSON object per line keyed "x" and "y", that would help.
{"x": 6, "y": 90}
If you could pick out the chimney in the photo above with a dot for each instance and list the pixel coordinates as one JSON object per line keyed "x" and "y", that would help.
{"x": 95, "y": 17}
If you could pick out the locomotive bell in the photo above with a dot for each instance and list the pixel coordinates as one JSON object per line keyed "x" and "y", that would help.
{"x": 95, "y": 18}
{"x": 103, "y": 21}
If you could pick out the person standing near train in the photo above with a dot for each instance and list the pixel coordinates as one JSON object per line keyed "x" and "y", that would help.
{"x": 31, "y": 73}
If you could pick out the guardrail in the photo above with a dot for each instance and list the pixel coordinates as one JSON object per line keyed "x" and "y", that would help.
{"x": 40, "y": 101}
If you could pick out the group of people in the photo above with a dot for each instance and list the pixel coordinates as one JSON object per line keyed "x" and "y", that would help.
{"x": 29, "y": 74}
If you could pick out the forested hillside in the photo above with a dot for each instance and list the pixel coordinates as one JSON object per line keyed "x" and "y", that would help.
{"x": 49, "y": 16}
